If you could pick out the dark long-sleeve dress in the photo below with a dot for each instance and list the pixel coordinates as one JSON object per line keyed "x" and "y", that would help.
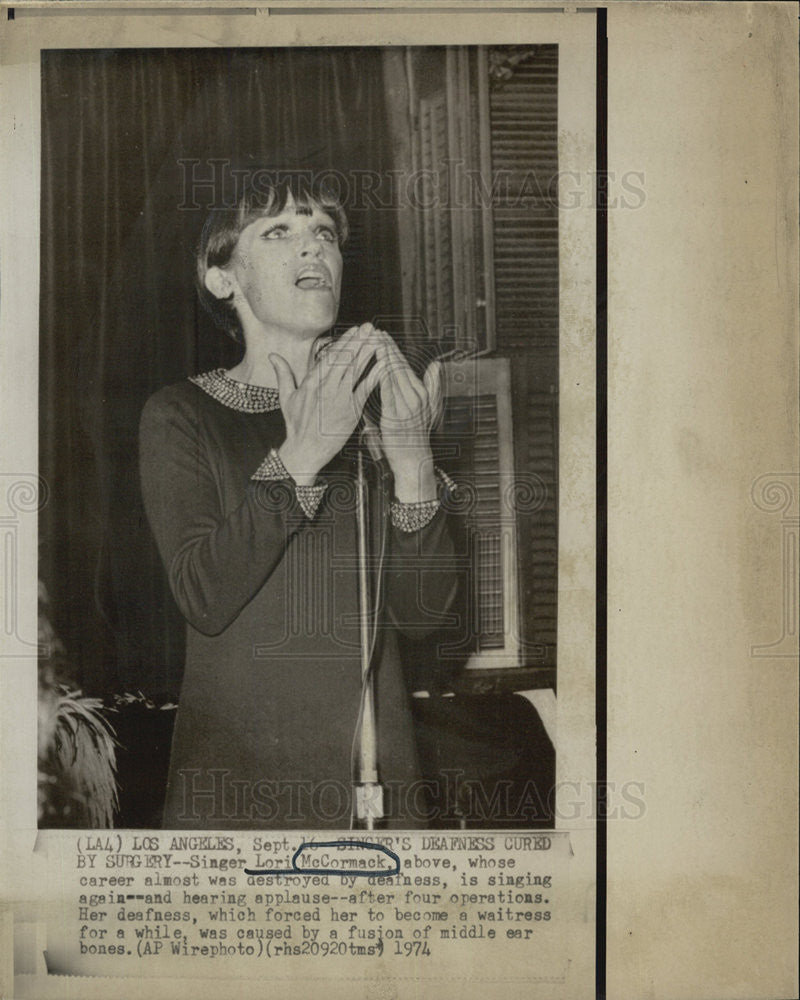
{"x": 271, "y": 689}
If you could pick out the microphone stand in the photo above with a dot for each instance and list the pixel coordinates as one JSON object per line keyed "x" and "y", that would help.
{"x": 367, "y": 787}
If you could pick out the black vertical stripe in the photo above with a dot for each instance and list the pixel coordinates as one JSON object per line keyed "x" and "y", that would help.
{"x": 601, "y": 682}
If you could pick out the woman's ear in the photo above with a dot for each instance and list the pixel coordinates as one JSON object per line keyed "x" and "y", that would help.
{"x": 218, "y": 282}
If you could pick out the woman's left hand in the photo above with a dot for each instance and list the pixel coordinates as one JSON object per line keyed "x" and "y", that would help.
{"x": 410, "y": 409}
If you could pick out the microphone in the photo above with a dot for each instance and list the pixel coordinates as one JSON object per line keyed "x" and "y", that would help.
{"x": 371, "y": 437}
{"x": 369, "y": 434}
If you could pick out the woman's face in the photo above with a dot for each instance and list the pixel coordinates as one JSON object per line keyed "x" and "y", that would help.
{"x": 286, "y": 272}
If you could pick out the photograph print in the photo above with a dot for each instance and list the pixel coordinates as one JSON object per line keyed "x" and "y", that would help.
{"x": 299, "y": 413}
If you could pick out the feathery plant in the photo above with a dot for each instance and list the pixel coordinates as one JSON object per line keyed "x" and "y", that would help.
{"x": 77, "y": 745}
{"x": 85, "y": 753}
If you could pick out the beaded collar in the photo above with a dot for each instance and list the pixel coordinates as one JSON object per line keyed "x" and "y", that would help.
{"x": 237, "y": 395}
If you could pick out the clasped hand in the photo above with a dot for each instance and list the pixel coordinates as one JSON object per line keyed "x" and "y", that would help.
{"x": 322, "y": 412}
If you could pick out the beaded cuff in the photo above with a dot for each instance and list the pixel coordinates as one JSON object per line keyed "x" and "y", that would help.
{"x": 414, "y": 516}
{"x": 272, "y": 468}
{"x": 444, "y": 480}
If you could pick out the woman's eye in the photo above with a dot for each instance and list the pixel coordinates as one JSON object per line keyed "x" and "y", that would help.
{"x": 327, "y": 234}
{"x": 275, "y": 232}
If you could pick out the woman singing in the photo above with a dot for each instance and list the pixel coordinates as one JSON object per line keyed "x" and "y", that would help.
{"x": 247, "y": 477}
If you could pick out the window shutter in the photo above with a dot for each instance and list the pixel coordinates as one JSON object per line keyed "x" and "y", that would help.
{"x": 523, "y": 101}
{"x": 457, "y": 290}
{"x": 484, "y": 136}
{"x": 436, "y": 237}
{"x": 523, "y": 110}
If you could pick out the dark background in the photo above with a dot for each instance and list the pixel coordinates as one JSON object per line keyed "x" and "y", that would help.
{"x": 119, "y": 315}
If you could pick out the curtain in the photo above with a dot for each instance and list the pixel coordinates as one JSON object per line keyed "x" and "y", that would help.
{"x": 131, "y": 140}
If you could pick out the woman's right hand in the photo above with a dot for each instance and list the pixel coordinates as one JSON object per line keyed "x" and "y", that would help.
{"x": 322, "y": 411}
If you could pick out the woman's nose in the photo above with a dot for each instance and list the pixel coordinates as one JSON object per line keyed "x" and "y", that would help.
{"x": 310, "y": 246}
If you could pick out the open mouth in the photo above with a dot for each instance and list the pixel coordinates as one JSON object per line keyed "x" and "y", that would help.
{"x": 312, "y": 281}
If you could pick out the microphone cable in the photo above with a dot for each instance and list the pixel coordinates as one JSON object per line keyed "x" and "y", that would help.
{"x": 385, "y": 476}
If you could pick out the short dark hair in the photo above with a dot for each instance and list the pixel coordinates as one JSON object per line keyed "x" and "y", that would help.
{"x": 265, "y": 193}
